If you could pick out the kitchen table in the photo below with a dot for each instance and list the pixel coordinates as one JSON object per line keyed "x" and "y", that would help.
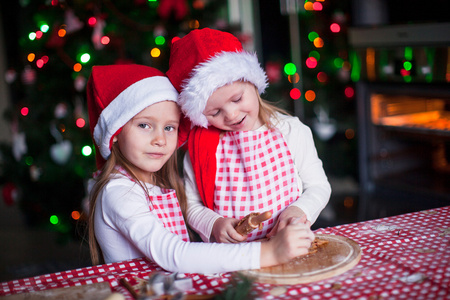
{"x": 402, "y": 257}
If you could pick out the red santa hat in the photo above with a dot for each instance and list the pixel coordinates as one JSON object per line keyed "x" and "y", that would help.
{"x": 115, "y": 94}
{"x": 205, "y": 60}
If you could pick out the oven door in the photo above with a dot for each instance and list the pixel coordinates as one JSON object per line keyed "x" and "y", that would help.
{"x": 404, "y": 147}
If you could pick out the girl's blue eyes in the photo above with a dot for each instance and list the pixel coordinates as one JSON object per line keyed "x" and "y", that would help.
{"x": 167, "y": 128}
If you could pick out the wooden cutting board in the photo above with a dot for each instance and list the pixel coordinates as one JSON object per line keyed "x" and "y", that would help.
{"x": 339, "y": 255}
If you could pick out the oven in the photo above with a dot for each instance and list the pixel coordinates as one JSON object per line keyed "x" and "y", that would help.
{"x": 404, "y": 147}
{"x": 403, "y": 104}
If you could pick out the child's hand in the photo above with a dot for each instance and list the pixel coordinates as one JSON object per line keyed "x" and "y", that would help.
{"x": 283, "y": 218}
{"x": 223, "y": 231}
{"x": 291, "y": 241}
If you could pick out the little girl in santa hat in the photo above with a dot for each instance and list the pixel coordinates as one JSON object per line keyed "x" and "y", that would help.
{"x": 136, "y": 200}
{"x": 244, "y": 154}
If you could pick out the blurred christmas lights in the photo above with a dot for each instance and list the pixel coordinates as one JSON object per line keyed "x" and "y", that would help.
{"x": 349, "y": 92}
{"x": 85, "y": 57}
{"x": 408, "y": 53}
{"x": 338, "y": 62}
{"x": 310, "y": 95}
{"x": 317, "y": 6}
{"x": 44, "y": 28}
{"x": 294, "y": 78}
{"x": 29, "y": 160}
{"x": 75, "y": 215}
{"x": 311, "y": 62}
{"x": 335, "y": 28}
{"x": 77, "y": 67}
{"x": 322, "y": 77}
{"x": 80, "y": 122}
{"x": 31, "y": 57}
{"x": 349, "y": 134}
{"x": 312, "y": 36}
{"x": 86, "y": 150}
{"x": 194, "y": 24}
{"x": 105, "y": 40}
{"x": 290, "y": 69}
{"x": 92, "y": 21}
{"x": 155, "y": 52}
{"x": 295, "y": 93}
{"x": 62, "y": 32}
{"x": 318, "y": 42}
{"x": 314, "y": 54}
{"x": 160, "y": 40}
{"x": 24, "y": 111}
{"x": 54, "y": 219}
{"x": 39, "y": 63}
{"x": 308, "y": 6}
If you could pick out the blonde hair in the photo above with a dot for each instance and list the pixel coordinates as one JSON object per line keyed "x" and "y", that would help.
{"x": 267, "y": 111}
{"x": 167, "y": 177}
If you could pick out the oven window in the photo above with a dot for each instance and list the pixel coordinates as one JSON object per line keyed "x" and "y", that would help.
{"x": 413, "y": 113}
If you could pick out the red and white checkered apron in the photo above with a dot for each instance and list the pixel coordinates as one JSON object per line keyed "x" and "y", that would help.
{"x": 255, "y": 173}
{"x": 167, "y": 208}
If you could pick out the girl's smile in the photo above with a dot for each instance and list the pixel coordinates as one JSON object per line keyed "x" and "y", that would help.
{"x": 239, "y": 125}
{"x": 156, "y": 155}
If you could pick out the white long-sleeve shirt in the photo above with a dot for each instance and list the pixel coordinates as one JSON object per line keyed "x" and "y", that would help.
{"x": 125, "y": 228}
{"x": 313, "y": 183}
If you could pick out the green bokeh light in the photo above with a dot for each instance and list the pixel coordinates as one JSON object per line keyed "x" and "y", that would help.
{"x": 338, "y": 62}
{"x": 408, "y": 53}
{"x": 29, "y": 160}
{"x": 290, "y": 69}
{"x": 312, "y": 36}
{"x": 160, "y": 40}
{"x": 314, "y": 54}
{"x": 407, "y": 65}
{"x": 54, "y": 219}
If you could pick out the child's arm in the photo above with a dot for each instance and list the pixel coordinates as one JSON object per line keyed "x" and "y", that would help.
{"x": 125, "y": 229}
{"x": 313, "y": 183}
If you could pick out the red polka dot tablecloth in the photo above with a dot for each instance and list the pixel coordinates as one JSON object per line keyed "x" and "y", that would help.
{"x": 403, "y": 257}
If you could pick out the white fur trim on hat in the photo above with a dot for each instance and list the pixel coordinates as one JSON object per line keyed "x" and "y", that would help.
{"x": 128, "y": 104}
{"x": 219, "y": 70}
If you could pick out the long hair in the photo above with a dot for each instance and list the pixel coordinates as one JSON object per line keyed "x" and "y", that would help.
{"x": 267, "y": 111}
{"x": 167, "y": 177}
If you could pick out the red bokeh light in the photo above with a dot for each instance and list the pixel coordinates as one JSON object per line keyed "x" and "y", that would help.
{"x": 311, "y": 62}
{"x": 295, "y": 93}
